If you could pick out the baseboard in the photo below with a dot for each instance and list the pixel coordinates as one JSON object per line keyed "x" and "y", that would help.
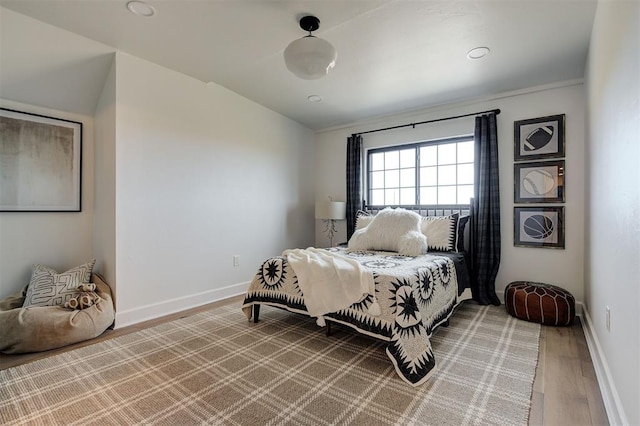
{"x": 610, "y": 397}
{"x": 156, "y": 310}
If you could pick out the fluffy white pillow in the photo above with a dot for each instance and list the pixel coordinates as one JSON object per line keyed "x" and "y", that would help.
{"x": 391, "y": 230}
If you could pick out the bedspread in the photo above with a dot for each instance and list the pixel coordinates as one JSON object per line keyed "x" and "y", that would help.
{"x": 415, "y": 295}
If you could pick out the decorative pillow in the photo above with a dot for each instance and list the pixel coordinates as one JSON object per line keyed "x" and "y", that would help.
{"x": 462, "y": 222}
{"x": 48, "y": 288}
{"x": 441, "y": 232}
{"x": 391, "y": 230}
{"x": 363, "y": 219}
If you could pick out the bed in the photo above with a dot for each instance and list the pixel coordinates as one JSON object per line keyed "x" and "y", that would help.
{"x": 413, "y": 294}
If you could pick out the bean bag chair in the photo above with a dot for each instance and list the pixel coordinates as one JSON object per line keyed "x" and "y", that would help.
{"x": 40, "y": 328}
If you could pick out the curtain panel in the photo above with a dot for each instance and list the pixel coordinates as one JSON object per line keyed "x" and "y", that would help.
{"x": 485, "y": 212}
{"x": 354, "y": 181}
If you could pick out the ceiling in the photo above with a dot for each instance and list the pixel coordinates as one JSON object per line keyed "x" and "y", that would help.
{"x": 393, "y": 55}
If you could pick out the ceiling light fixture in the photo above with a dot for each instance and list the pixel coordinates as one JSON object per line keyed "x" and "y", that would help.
{"x": 478, "y": 52}
{"x": 310, "y": 57}
{"x": 141, "y": 8}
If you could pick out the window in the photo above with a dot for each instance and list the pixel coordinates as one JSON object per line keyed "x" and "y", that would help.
{"x": 425, "y": 173}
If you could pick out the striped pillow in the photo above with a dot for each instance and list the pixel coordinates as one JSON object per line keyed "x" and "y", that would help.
{"x": 48, "y": 288}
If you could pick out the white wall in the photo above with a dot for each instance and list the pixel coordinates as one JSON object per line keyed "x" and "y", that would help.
{"x": 559, "y": 267}
{"x": 202, "y": 174}
{"x": 104, "y": 244}
{"x": 612, "y": 265}
{"x": 58, "y": 240}
{"x": 186, "y": 175}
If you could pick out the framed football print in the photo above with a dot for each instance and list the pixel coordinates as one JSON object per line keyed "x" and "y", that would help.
{"x": 539, "y": 182}
{"x": 538, "y": 227}
{"x": 539, "y": 138}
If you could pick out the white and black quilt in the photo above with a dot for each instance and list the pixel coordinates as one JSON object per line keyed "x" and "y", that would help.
{"x": 415, "y": 295}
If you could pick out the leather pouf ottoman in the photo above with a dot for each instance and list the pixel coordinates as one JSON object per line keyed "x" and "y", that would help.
{"x": 542, "y": 303}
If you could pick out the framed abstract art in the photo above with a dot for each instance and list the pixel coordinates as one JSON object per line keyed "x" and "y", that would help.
{"x": 40, "y": 163}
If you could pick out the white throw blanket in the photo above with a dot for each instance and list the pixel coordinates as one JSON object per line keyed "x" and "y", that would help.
{"x": 330, "y": 282}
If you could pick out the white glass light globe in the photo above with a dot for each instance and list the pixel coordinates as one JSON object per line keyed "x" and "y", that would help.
{"x": 310, "y": 57}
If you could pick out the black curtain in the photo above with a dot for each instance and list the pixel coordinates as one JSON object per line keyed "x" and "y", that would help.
{"x": 485, "y": 212}
{"x": 354, "y": 181}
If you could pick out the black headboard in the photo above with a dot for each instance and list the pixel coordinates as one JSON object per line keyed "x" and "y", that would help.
{"x": 428, "y": 210}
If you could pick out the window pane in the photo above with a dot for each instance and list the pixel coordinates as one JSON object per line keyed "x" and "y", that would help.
{"x": 377, "y": 197}
{"x": 391, "y": 160}
{"x": 429, "y": 155}
{"x": 377, "y": 180}
{"x": 428, "y": 176}
{"x": 392, "y": 178}
{"x": 391, "y": 197}
{"x": 408, "y": 177}
{"x": 377, "y": 161}
{"x": 429, "y": 195}
{"x": 465, "y": 152}
{"x": 447, "y": 195}
{"x": 407, "y": 196}
{"x": 407, "y": 158}
{"x": 465, "y": 174}
{"x": 447, "y": 153}
{"x": 446, "y": 175}
{"x": 464, "y": 193}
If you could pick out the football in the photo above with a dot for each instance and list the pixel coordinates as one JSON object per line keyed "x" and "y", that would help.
{"x": 538, "y": 138}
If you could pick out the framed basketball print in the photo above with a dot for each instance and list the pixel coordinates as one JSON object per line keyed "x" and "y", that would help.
{"x": 539, "y": 182}
{"x": 539, "y": 138}
{"x": 538, "y": 227}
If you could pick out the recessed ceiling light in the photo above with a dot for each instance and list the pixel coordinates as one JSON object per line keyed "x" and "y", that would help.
{"x": 141, "y": 8}
{"x": 478, "y": 52}
{"x": 314, "y": 98}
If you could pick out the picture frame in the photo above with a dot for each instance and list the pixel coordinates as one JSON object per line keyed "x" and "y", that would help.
{"x": 40, "y": 163}
{"x": 538, "y": 227}
{"x": 539, "y": 182}
{"x": 539, "y": 138}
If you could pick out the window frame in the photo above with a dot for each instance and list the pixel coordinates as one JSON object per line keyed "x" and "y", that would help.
{"x": 416, "y": 146}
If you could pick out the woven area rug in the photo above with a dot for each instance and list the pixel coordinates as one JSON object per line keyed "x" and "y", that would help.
{"x": 216, "y": 368}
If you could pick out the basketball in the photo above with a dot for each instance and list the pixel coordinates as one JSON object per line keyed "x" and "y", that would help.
{"x": 538, "y": 226}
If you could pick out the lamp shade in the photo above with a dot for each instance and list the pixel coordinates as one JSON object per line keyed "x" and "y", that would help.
{"x": 310, "y": 57}
{"x": 331, "y": 210}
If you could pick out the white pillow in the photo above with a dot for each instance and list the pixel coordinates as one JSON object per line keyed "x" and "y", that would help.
{"x": 441, "y": 232}
{"x": 391, "y": 230}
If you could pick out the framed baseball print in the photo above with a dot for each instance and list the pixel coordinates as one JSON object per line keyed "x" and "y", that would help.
{"x": 539, "y": 182}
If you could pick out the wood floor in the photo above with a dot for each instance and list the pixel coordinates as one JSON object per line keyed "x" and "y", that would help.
{"x": 565, "y": 390}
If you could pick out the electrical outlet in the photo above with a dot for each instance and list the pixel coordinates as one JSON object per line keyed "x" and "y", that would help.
{"x": 608, "y": 317}
{"x": 236, "y": 260}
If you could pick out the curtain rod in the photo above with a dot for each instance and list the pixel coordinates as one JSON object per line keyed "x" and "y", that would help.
{"x": 496, "y": 111}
